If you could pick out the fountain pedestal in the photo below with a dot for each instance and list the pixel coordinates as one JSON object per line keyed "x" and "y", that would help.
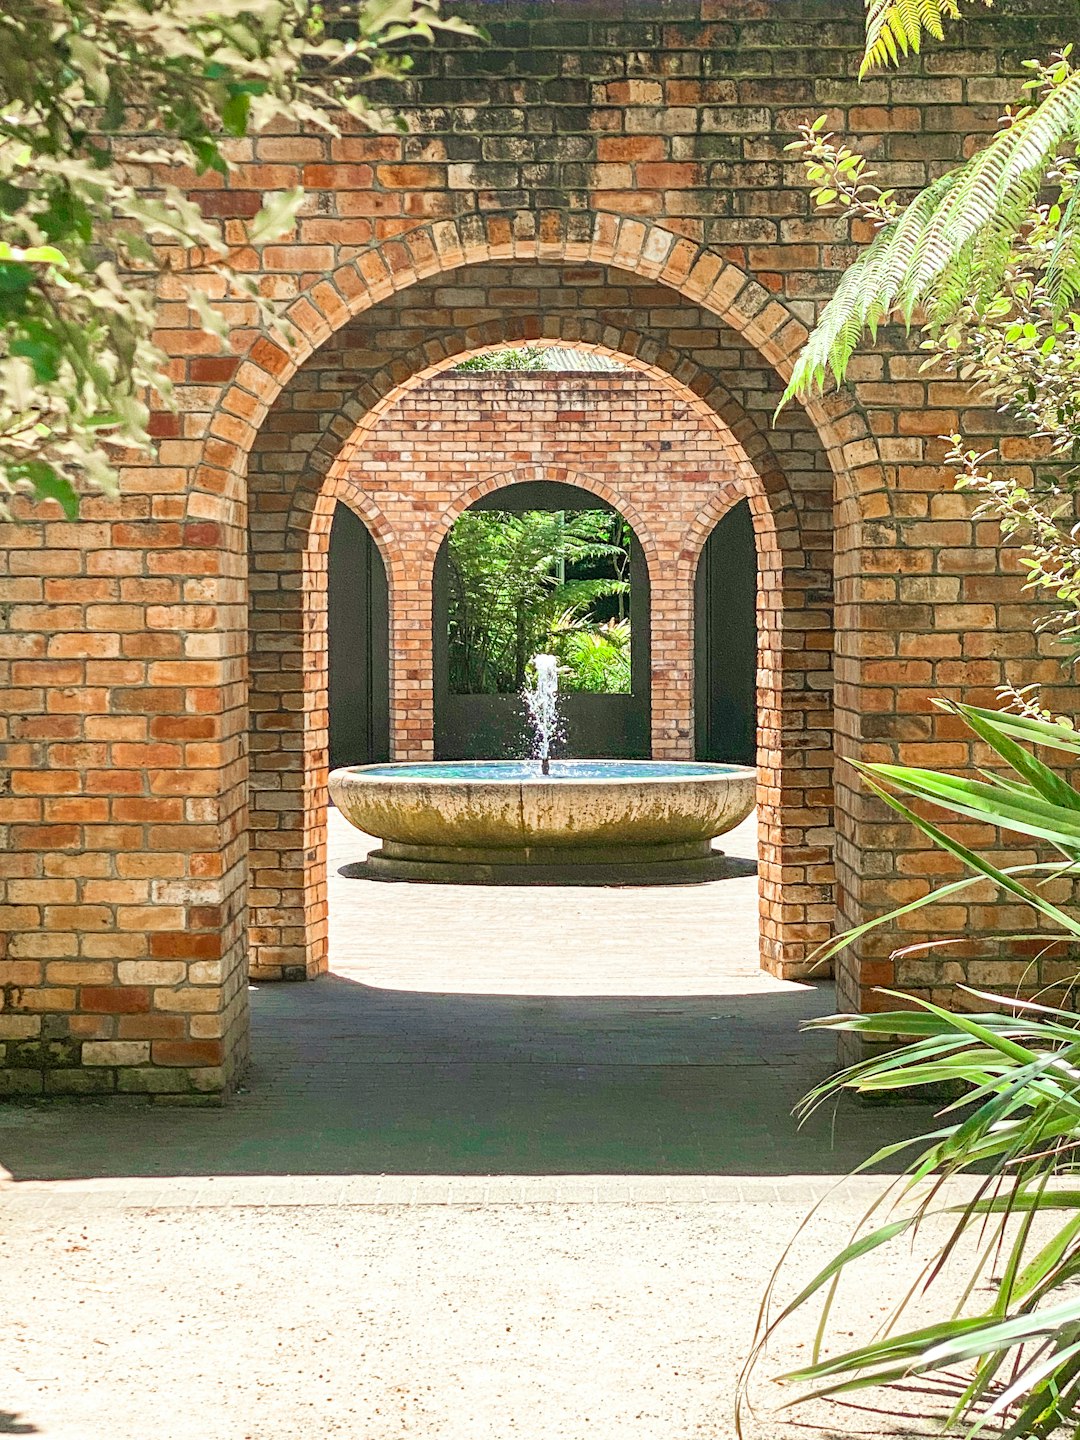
{"x": 677, "y": 864}
{"x": 506, "y": 823}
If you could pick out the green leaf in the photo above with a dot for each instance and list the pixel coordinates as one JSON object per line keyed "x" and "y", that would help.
{"x": 48, "y": 484}
{"x": 32, "y": 254}
{"x": 973, "y": 860}
{"x": 235, "y": 112}
{"x": 952, "y": 239}
{"x": 1029, "y": 767}
{"x": 979, "y": 800}
{"x": 278, "y": 214}
{"x": 87, "y": 58}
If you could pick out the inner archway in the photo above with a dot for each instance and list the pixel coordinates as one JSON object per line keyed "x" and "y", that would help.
{"x": 725, "y": 642}
{"x": 536, "y": 567}
{"x": 358, "y": 644}
{"x": 722, "y": 452}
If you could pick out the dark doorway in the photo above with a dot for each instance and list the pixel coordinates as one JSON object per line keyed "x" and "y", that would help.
{"x": 358, "y": 620}
{"x": 725, "y": 642}
{"x": 476, "y": 726}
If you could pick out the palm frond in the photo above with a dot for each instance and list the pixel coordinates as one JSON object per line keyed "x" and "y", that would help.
{"x": 1014, "y": 1126}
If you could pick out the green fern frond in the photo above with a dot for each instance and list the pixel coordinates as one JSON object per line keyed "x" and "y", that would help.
{"x": 896, "y": 27}
{"x": 953, "y": 238}
{"x": 995, "y": 189}
{"x": 868, "y": 293}
{"x": 1062, "y": 273}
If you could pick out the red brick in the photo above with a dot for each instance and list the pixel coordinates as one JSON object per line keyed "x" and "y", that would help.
{"x": 115, "y": 999}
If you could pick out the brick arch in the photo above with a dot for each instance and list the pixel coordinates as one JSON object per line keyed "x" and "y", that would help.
{"x": 346, "y": 431}
{"x": 706, "y": 520}
{"x": 310, "y": 499}
{"x": 349, "y": 425}
{"x": 312, "y": 715}
{"x": 645, "y": 248}
{"x": 558, "y": 474}
{"x": 346, "y": 490}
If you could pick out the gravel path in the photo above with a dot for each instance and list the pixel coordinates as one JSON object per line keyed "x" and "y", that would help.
{"x": 460, "y": 1322}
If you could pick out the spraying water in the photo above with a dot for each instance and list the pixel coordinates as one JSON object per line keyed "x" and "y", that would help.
{"x": 542, "y": 700}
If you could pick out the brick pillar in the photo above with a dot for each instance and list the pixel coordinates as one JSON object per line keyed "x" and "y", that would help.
{"x": 795, "y": 863}
{"x": 671, "y": 601}
{"x": 930, "y": 604}
{"x": 288, "y": 709}
{"x": 412, "y": 695}
{"x": 122, "y": 931}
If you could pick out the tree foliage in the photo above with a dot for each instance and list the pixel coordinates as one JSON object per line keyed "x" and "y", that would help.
{"x": 520, "y": 586}
{"x": 107, "y": 107}
{"x": 523, "y": 357}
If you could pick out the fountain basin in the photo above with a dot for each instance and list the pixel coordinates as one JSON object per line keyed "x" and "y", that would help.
{"x": 589, "y": 822}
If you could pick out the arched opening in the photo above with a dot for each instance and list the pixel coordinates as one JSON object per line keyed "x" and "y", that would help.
{"x": 358, "y": 644}
{"x": 726, "y": 641}
{"x": 541, "y": 567}
{"x": 723, "y": 390}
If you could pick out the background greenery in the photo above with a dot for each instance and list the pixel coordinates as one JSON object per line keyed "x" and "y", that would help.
{"x": 539, "y": 582}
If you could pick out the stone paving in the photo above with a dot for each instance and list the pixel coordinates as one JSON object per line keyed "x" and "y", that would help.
{"x": 519, "y": 1167}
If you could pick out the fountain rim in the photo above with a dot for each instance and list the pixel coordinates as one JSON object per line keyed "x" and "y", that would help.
{"x": 658, "y": 772}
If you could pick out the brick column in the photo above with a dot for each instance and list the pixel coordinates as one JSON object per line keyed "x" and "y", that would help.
{"x": 671, "y": 601}
{"x": 123, "y": 928}
{"x": 412, "y": 696}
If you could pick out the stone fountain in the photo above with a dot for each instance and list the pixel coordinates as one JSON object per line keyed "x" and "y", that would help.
{"x": 543, "y": 821}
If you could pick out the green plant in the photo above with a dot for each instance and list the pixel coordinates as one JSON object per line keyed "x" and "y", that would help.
{"x": 1018, "y": 1126}
{"x": 895, "y": 27}
{"x": 990, "y": 258}
{"x": 527, "y": 357}
{"x": 515, "y": 579}
{"x": 593, "y": 657}
{"x": 952, "y": 247}
{"x": 92, "y": 212}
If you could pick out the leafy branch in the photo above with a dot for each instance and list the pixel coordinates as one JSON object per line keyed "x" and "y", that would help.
{"x": 954, "y": 242}
{"x": 108, "y": 109}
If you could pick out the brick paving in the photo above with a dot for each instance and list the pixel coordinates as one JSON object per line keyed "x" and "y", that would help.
{"x": 519, "y": 1166}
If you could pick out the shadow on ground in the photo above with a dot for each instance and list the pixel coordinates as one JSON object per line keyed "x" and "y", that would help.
{"x": 353, "y": 1079}
{"x": 11, "y": 1423}
{"x": 425, "y": 1054}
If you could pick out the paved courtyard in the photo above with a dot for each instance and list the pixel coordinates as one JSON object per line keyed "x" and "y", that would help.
{"x": 519, "y": 1166}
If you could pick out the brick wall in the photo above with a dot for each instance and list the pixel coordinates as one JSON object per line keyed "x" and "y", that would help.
{"x": 624, "y": 437}
{"x": 614, "y": 175}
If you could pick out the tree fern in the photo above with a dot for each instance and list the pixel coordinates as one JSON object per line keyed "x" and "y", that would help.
{"x": 895, "y": 27}
{"x": 954, "y": 238}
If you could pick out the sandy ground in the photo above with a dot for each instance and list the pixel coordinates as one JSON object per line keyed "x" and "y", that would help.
{"x": 520, "y": 1167}
{"x": 462, "y": 1322}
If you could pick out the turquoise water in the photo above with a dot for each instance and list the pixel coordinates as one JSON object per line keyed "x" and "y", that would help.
{"x": 560, "y": 770}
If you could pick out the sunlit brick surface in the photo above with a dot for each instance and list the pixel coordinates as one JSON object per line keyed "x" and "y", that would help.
{"x": 616, "y": 179}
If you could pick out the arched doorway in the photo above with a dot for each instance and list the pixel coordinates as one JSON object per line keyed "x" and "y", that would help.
{"x": 672, "y": 495}
{"x": 358, "y": 642}
{"x": 725, "y": 642}
{"x": 479, "y": 712}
